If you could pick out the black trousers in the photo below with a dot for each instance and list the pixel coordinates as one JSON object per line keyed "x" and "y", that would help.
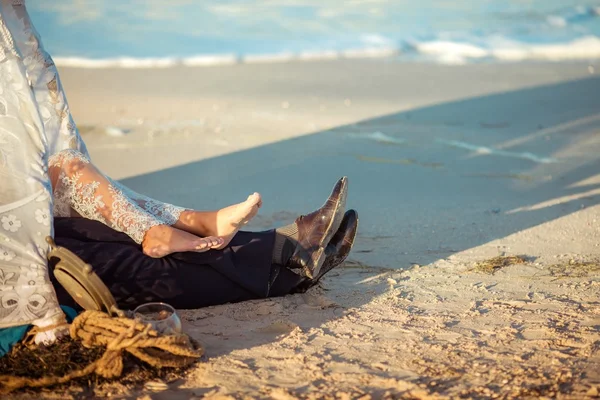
{"x": 241, "y": 271}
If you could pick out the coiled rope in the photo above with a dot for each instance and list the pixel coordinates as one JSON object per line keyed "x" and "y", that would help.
{"x": 95, "y": 328}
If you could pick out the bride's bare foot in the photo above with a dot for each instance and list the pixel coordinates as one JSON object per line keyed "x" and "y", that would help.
{"x": 224, "y": 223}
{"x": 230, "y": 219}
{"x": 161, "y": 240}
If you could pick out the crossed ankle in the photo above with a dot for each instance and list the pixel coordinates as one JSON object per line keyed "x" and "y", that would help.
{"x": 193, "y": 221}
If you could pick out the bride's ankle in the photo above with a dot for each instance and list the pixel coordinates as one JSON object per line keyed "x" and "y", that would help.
{"x": 187, "y": 217}
{"x": 195, "y": 222}
{"x": 151, "y": 244}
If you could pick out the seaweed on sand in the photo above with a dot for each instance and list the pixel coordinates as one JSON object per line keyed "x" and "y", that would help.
{"x": 68, "y": 355}
{"x": 494, "y": 264}
{"x": 574, "y": 269}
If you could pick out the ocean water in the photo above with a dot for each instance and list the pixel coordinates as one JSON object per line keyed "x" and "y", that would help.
{"x": 159, "y": 33}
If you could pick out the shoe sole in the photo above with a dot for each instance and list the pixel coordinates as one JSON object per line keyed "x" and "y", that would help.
{"x": 334, "y": 224}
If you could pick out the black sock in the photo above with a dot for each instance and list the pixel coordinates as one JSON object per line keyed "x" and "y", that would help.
{"x": 286, "y": 239}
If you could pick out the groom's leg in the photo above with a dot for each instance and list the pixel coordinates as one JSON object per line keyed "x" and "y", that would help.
{"x": 242, "y": 271}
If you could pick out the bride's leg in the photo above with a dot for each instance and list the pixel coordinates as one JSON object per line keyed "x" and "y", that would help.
{"x": 80, "y": 186}
{"x": 224, "y": 222}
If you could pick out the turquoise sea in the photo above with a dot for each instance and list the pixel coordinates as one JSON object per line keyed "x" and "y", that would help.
{"x": 132, "y": 33}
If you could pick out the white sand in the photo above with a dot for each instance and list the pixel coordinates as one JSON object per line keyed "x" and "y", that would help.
{"x": 447, "y": 166}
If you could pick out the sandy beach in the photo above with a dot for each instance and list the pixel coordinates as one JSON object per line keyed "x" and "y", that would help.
{"x": 448, "y": 166}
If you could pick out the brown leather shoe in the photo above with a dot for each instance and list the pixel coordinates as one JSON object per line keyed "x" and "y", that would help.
{"x": 316, "y": 229}
{"x": 337, "y": 250}
{"x": 341, "y": 243}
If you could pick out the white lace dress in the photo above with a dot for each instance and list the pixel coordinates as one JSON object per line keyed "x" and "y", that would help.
{"x": 38, "y": 132}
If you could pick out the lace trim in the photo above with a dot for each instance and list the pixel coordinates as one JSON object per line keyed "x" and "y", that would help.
{"x": 168, "y": 213}
{"x": 8, "y": 39}
{"x": 67, "y": 155}
{"x": 129, "y": 215}
{"x": 63, "y": 199}
{"x": 82, "y": 196}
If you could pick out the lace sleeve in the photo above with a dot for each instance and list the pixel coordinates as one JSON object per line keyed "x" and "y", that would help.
{"x": 81, "y": 187}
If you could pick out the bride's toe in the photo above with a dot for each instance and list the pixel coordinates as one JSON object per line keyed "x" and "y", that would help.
{"x": 218, "y": 242}
{"x": 254, "y": 199}
{"x": 214, "y": 241}
{"x": 202, "y": 244}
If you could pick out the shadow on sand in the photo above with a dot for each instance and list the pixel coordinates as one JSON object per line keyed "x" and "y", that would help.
{"x": 427, "y": 183}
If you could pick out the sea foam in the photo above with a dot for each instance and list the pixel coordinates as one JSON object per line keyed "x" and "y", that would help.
{"x": 441, "y": 51}
{"x": 210, "y": 34}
